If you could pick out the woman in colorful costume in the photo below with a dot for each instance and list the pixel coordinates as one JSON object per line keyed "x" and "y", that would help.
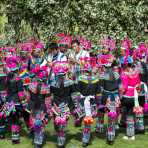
{"x": 130, "y": 82}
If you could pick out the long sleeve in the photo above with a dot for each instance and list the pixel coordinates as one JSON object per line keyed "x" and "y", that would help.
{"x": 124, "y": 82}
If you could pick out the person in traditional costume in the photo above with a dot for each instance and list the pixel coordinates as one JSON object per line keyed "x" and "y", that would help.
{"x": 39, "y": 91}
{"x": 139, "y": 56}
{"x": 36, "y": 57}
{"x": 75, "y": 57}
{"x": 89, "y": 87}
{"x": 25, "y": 51}
{"x": 3, "y": 95}
{"x": 61, "y": 96}
{"x": 110, "y": 102}
{"x": 130, "y": 82}
{"x": 16, "y": 99}
{"x": 53, "y": 54}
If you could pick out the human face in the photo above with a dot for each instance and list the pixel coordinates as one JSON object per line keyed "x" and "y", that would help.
{"x": 63, "y": 49}
{"x": 36, "y": 53}
{"x": 54, "y": 51}
{"x": 76, "y": 47}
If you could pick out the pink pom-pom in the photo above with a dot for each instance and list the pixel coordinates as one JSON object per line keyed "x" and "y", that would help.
{"x": 1, "y": 115}
{"x": 146, "y": 107}
{"x": 138, "y": 110}
{"x": 21, "y": 94}
{"x": 17, "y": 78}
{"x": 60, "y": 121}
{"x": 112, "y": 114}
{"x": 15, "y": 128}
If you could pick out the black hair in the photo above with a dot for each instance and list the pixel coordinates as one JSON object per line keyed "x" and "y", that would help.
{"x": 75, "y": 41}
{"x": 63, "y": 45}
{"x": 51, "y": 46}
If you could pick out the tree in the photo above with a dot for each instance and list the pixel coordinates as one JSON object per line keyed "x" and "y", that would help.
{"x": 90, "y": 18}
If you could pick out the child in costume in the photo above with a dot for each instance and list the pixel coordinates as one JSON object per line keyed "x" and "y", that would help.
{"x": 3, "y": 95}
{"x": 75, "y": 57}
{"x": 16, "y": 99}
{"x": 110, "y": 102}
{"x": 88, "y": 87}
{"x": 39, "y": 91}
{"x": 61, "y": 92}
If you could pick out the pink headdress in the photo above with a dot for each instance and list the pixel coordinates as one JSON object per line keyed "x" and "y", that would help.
{"x": 87, "y": 63}
{"x": 60, "y": 67}
{"x": 25, "y": 47}
{"x": 140, "y": 51}
{"x": 86, "y": 44}
{"x": 10, "y": 49}
{"x": 105, "y": 60}
{"x": 12, "y": 63}
{"x": 108, "y": 43}
{"x": 64, "y": 39}
{"x": 39, "y": 45}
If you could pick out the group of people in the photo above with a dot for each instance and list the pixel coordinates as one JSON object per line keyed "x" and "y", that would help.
{"x": 66, "y": 80}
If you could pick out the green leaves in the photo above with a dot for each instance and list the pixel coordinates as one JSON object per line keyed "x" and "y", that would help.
{"x": 90, "y": 18}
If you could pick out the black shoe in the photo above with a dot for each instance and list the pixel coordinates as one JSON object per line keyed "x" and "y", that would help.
{"x": 62, "y": 146}
{"x": 110, "y": 142}
{"x": 31, "y": 134}
{"x": 38, "y": 146}
{"x": 140, "y": 132}
{"x": 77, "y": 124}
{"x": 85, "y": 144}
{"x": 15, "y": 141}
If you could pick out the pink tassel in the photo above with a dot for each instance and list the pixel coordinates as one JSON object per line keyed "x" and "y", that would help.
{"x": 138, "y": 110}
{"x": 60, "y": 121}
{"x": 112, "y": 114}
{"x": 21, "y": 94}
{"x": 146, "y": 107}
{"x": 15, "y": 128}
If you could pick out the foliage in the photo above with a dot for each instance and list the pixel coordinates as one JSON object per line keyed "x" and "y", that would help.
{"x": 90, "y": 18}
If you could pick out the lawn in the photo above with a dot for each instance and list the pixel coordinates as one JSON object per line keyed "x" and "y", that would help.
{"x": 74, "y": 139}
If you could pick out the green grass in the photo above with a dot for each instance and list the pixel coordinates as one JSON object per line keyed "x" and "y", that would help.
{"x": 74, "y": 139}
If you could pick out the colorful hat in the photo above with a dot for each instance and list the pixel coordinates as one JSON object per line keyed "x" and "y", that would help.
{"x": 10, "y": 49}
{"x": 12, "y": 63}
{"x": 39, "y": 45}
{"x": 86, "y": 44}
{"x": 108, "y": 43}
{"x": 87, "y": 63}
{"x": 140, "y": 51}
{"x": 105, "y": 60}
{"x": 64, "y": 40}
{"x": 60, "y": 67}
{"x": 26, "y": 47}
